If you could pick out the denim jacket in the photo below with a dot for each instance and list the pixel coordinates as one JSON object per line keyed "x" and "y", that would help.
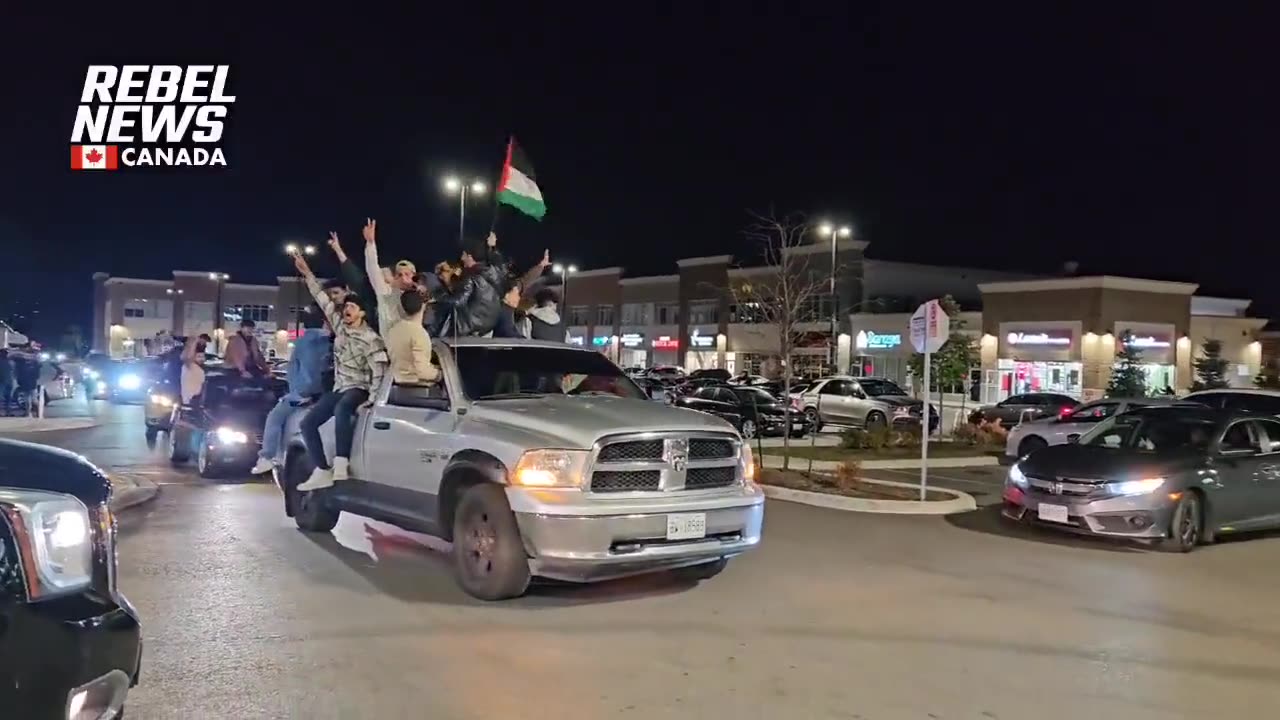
{"x": 312, "y": 357}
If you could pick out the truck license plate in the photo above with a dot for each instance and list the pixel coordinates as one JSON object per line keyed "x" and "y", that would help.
{"x": 689, "y": 526}
{"x": 1053, "y": 513}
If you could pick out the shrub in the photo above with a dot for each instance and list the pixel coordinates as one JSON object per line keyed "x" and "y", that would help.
{"x": 853, "y": 439}
{"x": 984, "y": 434}
{"x": 846, "y": 477}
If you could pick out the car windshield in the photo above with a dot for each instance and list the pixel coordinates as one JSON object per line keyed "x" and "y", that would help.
{"x": 876, "y": 388}
{"x": 1152, "y": 432}
{"x": 231, "y": 394}
{"x": 494, "y": 372}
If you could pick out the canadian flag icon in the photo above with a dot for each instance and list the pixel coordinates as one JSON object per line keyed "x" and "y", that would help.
{"x": 94, "y": 157}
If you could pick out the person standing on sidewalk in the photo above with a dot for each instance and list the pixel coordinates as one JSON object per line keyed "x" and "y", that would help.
{"x": 311, "y": 358}
{"x": 360, "y": 361}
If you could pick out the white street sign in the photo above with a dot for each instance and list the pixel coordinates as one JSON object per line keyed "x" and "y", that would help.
{"x": 930, "y": 327}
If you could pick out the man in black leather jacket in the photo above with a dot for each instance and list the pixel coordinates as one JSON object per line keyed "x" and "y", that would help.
{"x": 474, "y": 304}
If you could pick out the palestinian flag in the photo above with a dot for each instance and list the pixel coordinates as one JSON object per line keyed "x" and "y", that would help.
{"x": 517, "y": 187}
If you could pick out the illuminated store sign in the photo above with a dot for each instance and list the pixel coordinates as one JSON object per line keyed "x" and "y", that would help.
{"x": 877, "y": 341}
{"x": 1017, "y": 338}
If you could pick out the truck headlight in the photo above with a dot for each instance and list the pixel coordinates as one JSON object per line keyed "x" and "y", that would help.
{"x": 1135, "y": 487}
{"x": 162, "y": 400}
{"x": 53, "y": 534}
{"x": 130, "y": 381}
{"x": 230, "y": 436}
{"x": 748, "y": 464}
{"x": 550, "y": 468}
{"x": 1016, "y": 477}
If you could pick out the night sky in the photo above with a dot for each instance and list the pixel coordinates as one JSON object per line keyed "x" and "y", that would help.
{"x": 1139, "y": 141}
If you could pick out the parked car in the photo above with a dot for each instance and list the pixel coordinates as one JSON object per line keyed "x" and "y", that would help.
{"x": 750, "y": 409}
{"x": 1266, "y": 402}
{"x": 865, "y": 402}
{"x": 1175, "y": 476}
{"x": 656, "y": 390}
{"x": 710, "y": 374}
{"x": 541, "y": 459}
{"x": 70, "y": 643}
{"x": 666, "y": 373}
{"x": 223, "y": 427}
{"x": 1027, "y": 406}
{"x": 1031, "y": 435}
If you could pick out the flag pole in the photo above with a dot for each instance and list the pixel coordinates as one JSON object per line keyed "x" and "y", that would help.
{"x": 493, "y": 223}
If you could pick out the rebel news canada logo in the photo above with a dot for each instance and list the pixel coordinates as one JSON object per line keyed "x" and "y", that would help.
{"x": 151, "y": 116}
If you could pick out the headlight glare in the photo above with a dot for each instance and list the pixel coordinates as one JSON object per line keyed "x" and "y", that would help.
{"x": 231, "y": 436}
{"x": 748, "y": 464}
{"x": 162, "y": 400}
{"x": 54, "y": 531}
{"x": 1135, "y": 487}
{"x": 550, "y": 468}
{"x": 130, "y": 381}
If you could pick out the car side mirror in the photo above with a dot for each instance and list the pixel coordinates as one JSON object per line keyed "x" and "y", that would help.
{"x": 1073, "y": 439}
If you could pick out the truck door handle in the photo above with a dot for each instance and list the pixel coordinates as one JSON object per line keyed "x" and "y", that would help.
{"x": 382, "y": 425}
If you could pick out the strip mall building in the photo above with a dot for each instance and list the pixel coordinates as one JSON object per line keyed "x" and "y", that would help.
{"x": 1062, "y": 335}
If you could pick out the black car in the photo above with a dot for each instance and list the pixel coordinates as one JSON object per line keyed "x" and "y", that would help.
{"x": 128, "y": 381}
{"x": 1027, "y": 406}
{"x": 222, "y": 427}
{"x": 70, "y": 643}
{"x": 710, "y": 374}
{"x": 750, "y": 409}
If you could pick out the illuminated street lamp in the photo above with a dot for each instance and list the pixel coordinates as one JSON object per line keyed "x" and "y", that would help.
{"x": 293, "y": 249}
{"x": 843, "y": 231}
{"x": 564, "y": 271}
{"x": 221, "y": 278}
{"x": 453, "y": 185}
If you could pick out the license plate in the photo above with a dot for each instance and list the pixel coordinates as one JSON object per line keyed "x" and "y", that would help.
{"x": 689, "y": 526}
{"x": 1053, "y": 513}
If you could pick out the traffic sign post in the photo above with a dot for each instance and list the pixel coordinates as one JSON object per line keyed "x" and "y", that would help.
{"x": 930, "y": 328}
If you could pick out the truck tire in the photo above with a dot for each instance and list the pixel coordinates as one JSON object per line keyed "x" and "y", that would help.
{"x": 178, "y": 452}
{"x": 311, "y": 512}
{"x": 704, "y": 571}
{"x": 488, "y": 553}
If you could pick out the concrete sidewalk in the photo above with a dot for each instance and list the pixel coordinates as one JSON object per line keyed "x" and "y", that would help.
{"x": 29, "y": 424}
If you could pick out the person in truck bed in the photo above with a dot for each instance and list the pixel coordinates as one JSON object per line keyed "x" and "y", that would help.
{"x": 359, "y": 362}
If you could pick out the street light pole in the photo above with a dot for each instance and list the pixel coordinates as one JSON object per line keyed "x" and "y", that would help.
{"x": 292, "y": 249}
{"x": 564, "y": 271}
{"x": 834, "y": 233}
{"x": 454, "y": 185}
{"x": 220, "y": 278}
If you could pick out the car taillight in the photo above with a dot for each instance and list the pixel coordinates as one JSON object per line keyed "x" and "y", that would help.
{"x": 1064, "y": 411}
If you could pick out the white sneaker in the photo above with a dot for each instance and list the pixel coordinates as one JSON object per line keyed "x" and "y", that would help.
{"x": 320, "y": 479}
{"x": 263, "y": 466}
{"x": 341, "y": 471}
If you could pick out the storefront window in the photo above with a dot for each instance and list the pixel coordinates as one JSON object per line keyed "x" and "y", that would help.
{"x": 1017, "y": 377}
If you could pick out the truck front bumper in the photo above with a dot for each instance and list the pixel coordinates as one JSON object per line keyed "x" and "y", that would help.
{"x": 569, "y": 538}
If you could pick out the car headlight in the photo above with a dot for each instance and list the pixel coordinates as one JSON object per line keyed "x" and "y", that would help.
{"x": 1016, "y": 477}
{"x": 130, "y": 381}
{"x": 231, "y": 436}
{"x": 91, "y": 373}
{"x": 102, "y": 387}
{"x": 748, "y": 460}
{"x": 55, "y": 541}
{"x": 162, "y": 400}
{"x": 1135, "y": 487}
{"x": 550, "y": 468}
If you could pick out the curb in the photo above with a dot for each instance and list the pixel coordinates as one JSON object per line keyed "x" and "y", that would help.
{"x": 132, "y": 492}
{"x": 960, "y": 502}
{"x": 775, "y": 461}
{"x": 32, "y": 425}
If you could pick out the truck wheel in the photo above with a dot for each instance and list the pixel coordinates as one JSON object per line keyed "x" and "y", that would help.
{"x": 705, "y": 571}
{"x": 178, "y": 452}
{"x": 488, "y": 553}
{"x": 311, "y": 512}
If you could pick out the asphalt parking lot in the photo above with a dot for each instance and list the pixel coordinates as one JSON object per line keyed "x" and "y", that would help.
{"x": 836, "y": 615}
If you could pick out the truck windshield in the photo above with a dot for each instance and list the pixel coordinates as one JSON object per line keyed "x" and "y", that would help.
{"x": 496, "y": 372}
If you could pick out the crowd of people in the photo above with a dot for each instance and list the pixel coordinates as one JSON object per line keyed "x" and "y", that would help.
{"x": 376, "y": 321}
{"x": 22, "y": 373}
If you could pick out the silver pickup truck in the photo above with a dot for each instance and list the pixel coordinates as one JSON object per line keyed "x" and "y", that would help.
{"x": 538, "y": 459}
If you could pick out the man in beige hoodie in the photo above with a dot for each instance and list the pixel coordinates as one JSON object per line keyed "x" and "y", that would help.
{"x": 409, "y": 345}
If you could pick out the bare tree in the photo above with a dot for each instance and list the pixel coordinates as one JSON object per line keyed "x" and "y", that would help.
{"x": 782, "y": 292}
